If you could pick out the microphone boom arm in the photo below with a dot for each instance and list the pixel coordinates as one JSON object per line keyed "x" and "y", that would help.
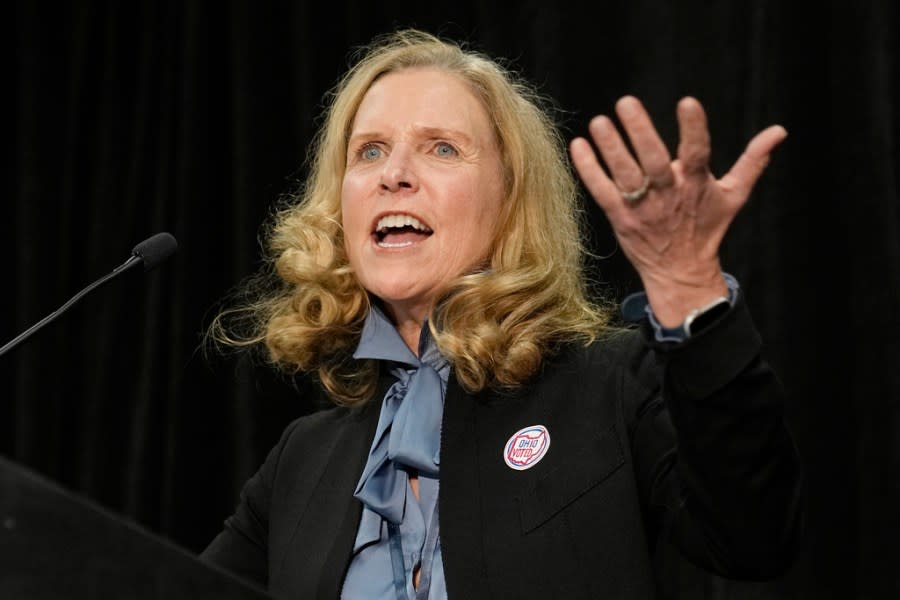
{"x": 150, "y": 252}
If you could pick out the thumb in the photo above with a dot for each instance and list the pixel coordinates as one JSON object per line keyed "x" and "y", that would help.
{"x": 751, "y": 164}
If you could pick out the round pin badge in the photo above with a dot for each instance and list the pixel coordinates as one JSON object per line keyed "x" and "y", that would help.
{"x": 526, "y": 447}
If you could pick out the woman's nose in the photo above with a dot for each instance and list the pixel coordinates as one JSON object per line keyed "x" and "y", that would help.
{"x": 398, "y": 172}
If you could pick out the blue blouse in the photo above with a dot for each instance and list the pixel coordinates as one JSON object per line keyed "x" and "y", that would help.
{"x": 397, "y": 532}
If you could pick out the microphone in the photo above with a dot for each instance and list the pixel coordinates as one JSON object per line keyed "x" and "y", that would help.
{"x": 152, "y": 251}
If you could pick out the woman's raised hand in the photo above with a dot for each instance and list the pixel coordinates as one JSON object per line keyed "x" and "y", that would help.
{"x": 669, "y": 215}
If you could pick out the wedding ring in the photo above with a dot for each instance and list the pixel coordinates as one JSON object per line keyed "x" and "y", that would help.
{"x": 634, "y": 197}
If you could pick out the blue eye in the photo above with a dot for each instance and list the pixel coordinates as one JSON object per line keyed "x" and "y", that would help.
{"x": 444, "y": 149}
{"x": 370, "y": 152}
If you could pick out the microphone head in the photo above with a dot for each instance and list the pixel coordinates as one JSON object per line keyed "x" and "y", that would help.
{"x": 155, "y": 249}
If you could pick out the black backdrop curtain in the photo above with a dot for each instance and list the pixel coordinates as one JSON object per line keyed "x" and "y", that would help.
{"x": 193, "y": 117}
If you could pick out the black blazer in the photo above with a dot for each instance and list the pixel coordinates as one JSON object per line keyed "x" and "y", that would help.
{"x": 649, "y": 442}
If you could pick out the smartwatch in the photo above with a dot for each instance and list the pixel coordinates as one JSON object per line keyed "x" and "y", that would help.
{"x": 699, "y": 318}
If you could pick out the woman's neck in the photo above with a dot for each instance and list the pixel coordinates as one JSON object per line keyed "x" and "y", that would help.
{"x": 408, "y": 321}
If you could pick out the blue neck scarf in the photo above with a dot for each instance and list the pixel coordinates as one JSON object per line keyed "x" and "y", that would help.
{"x": 409, "y": 429}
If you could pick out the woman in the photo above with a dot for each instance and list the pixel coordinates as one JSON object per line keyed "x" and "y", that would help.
{"x": 494, "y": 435}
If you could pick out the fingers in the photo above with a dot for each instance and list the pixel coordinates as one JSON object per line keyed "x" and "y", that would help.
{"x": 627, "y": 173}
{"x": 594, "y": 177}
{"x": 694, "y": 147}
{"x": 625, "y": 170}
{"x": 750, "y": 165}
{"x": 651, "y": 151}
{"x": 653, "y": 159}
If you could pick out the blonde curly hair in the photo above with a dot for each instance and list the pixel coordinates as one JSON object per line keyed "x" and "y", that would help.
{"x": 495, "y": 326}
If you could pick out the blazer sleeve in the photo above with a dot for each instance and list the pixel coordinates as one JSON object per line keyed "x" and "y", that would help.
{"x": 242, "y": 546}
{"x": 718, "y": 470}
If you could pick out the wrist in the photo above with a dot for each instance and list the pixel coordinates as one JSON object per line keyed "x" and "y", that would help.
{"x": 696, "y": 320}
{"x": 673, "y": 303}
{"x": 636, "y": 308}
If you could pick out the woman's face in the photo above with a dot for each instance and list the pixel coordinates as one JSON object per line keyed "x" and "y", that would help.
{"x": 423, "y": 187}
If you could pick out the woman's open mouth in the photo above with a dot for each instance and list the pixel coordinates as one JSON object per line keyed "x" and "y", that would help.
{"x": 400, "y": 231}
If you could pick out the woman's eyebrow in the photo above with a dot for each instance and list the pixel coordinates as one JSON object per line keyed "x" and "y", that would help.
{"x": 444, "y": 132}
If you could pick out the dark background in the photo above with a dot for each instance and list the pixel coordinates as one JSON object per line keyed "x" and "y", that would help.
{"x": 193, "y": 117}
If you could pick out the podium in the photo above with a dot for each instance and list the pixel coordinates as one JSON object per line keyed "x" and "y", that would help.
{"x": 56, "y": 545}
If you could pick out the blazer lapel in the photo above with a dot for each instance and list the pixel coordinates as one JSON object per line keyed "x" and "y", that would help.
{"x": 347, "y": 465}
{"x": 460, "y": 498}
{"x": 315, "y": 560}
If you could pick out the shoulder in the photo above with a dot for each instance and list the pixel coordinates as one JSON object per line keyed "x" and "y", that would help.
{"x": 617, "y": 353}
{"x": 616, "y": 374}
{"x": 327, "y": 423}
{"x": 331, "y": 418}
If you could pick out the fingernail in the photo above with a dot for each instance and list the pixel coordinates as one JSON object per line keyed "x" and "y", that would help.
{"x": 627, "y": 106}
